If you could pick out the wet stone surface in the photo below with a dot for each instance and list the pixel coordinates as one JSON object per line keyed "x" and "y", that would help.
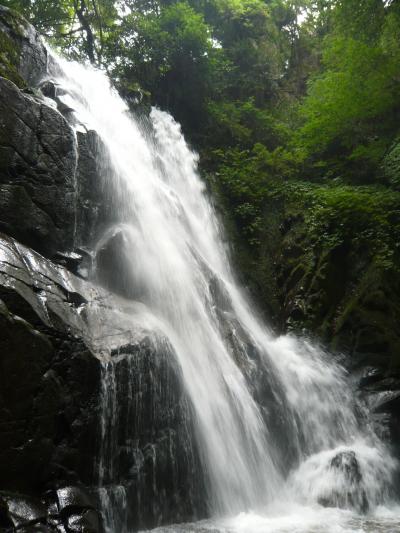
{"x": 61, "y": 336}
{"x": 49, "y": 513}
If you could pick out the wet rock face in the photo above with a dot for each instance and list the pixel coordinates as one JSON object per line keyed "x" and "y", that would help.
{"x": 113, "y": 264}
{"x": 49, "y": 379}
{"x": 37, "y": 172}
{"x": 154, "y": 463}
{"x": 39, "y": 161}
{"x": 50, "y": 179}
{"x": 381, "y": 392}
{"x": 50, "y": 182}
{"x": 92, "y": 212}
{"x": 61, "y": 337}
{"x": 50, "y": 513}
{"x": 25, "y": 57}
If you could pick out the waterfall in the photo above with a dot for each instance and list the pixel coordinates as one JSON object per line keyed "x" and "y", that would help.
{"x": 275, "y": 417}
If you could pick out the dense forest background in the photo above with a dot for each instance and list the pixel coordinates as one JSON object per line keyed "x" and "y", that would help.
{"x": 294, "y": 108}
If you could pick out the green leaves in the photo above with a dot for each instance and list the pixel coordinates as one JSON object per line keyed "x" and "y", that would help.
{"x": 80, "y": 28}
{"x": 350, "y": 112}
{"x": 168, "y": 51}
{"x": 361, "y": 216}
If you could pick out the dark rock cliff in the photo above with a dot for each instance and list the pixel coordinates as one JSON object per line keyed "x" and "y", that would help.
{"x": 63, "y": 436}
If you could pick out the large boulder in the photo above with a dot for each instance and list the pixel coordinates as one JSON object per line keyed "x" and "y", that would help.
{"x": 114, "y": 266}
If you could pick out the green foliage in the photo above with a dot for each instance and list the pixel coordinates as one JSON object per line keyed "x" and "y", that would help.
{"x": 351, "y": 108}
{"x": 359, "y": 19}
{"x": 42, "y": 14}
{"x": 215, "y": 64}
{"x": 234, "y": 72}
{"x": 80, "y": 28}
{"x": 168, "y": 53}
{"x": 244, "y": 124}
{"x": 350, "y": 114}
{"x": 251, "y": 41}
{"x": 361, "y": 217}
{"x": 334, "y": 214}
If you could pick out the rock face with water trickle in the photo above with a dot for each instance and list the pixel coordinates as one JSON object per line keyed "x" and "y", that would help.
{"x": 49, "y": 178}
{"x": 57, "y": 330}
{"x": 153, "y": 473}
{"x": 37, "y": 156}
{"x": 37, "y": 172}
{"x": 114, "y": 266}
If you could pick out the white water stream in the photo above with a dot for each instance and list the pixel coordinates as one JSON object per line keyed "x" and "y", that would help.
{"x": 176, "y": 248}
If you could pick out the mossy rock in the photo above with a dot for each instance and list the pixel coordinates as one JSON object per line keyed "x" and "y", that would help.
{"x": 23, "y": 56}
{"x": 13, "y": 20}
{"x": 12, "y": 30}
{"x": 9, "y": 59}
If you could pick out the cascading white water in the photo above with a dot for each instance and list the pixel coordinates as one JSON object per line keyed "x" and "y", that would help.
{"x": 176, "y": 250}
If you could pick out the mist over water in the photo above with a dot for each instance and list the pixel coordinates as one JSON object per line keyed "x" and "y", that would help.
{"x": 276, "y": 419}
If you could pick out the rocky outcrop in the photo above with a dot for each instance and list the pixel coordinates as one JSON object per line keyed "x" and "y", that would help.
{"x": 50, "y": 182}
{"x": 37, "y": 172}
{"x": 50, "y": 376}
{"x": 23, "y": 58}
{"x": 391, "y": 165}
{"x": 113, "y": 263}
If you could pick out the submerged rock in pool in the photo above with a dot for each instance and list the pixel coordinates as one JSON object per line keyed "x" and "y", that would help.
{"x": 351, "y": 494}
